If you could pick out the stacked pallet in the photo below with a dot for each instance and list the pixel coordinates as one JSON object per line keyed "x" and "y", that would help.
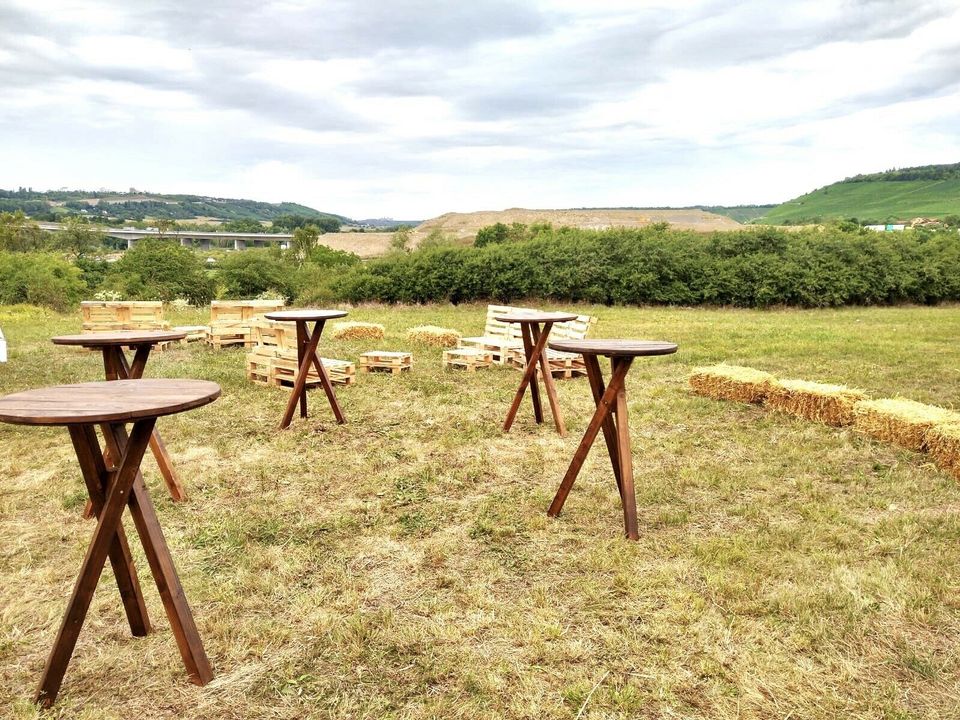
{"x": 232, "y": 321}
{"x": 273, "y": 358}
{"x": 111, "y": 316}
{"x": 563, "y": 365}
{"x": 470, "y": 359}
{"x": 390, "y": 361}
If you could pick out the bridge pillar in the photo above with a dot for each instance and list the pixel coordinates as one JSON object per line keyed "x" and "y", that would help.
{"x": 284, "y": 245}
{"x": 186, "y": 242}
{"x": 239, "y": 244}
{"x": 205, "y": 245}
{"x": 130, "y": 243}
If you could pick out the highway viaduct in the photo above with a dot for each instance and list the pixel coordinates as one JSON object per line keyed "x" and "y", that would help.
{"x": 191, "y": 238}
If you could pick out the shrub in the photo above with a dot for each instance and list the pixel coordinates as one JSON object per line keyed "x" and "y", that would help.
{"x": 252, "y": 272}
{"x": 39, "y": 279}
{"x": 755, "y": 267}
{"x": 160, "y": 269}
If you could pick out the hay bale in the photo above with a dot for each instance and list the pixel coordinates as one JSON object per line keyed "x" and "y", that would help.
{"x": 899, "y": 421}
{"x": 732, "y": 382}
{"x": 829, "y": 404}
{"x": 434, "y": 336}
{"x": 943, "y": 443}
{"x": 357, "y": 331}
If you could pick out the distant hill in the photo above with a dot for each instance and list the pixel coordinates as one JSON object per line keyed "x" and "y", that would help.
{"x": 464, "y": 226}
{"x": 135, "y": 206}
{"x": 931, "y": 191}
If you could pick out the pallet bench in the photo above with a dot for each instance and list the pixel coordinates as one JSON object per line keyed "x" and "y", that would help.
{"x": 470, "y": 359}
{"x": 390, "y": 361}
{"x": 115, "y": 315}
{"x": 232, "y": 321}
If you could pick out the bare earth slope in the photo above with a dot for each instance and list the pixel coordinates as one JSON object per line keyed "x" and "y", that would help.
{"x": 464, "y": 225}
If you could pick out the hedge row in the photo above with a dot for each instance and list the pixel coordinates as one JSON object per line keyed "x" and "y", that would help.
{"x": 655, "y": 265}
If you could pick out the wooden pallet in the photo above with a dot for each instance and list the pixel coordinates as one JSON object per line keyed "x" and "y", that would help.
{"x": 232, "y": 322}
{"x": 340, "y": 372}
{"x": 195, "y": 333}
{"x": 114, "y": 315}
{"x": 389, "y": 361}
{"x": 563, "y": 366}
{"x": 470, "y": 359}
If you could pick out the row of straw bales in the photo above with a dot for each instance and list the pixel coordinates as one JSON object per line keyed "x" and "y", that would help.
{"x": 913, "y": 425}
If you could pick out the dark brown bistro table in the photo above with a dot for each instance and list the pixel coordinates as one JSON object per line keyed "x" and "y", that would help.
{"x": 117, "y": 367}
{"x": 610, "y": 416}
{"x": 535, "y": 330}
{"x": 112, "y": 486}
{"x": 307, "y": 341}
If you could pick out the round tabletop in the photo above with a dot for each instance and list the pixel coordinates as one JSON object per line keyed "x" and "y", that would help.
{"x": 105, "y": 402}
{"x": 305, "y": 315}
{"x": 120, "y": 338}
{"x": 535, "y": 317}
{"x": 619, "y": 348}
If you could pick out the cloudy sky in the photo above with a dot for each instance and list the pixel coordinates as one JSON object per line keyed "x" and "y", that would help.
{"x": 412, "y": 108}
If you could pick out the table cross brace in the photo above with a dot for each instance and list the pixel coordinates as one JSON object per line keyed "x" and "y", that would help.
{"x": 307, "y": 355}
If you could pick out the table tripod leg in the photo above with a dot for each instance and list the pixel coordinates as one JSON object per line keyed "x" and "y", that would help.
{"x": 531, "y": 351}
{"x": 303, "y": 342}
{"x": 627, "y": 493}
{"x": 609, "y": 428}
{"x": 528, "y": 378}
{"x": 300, "y": 383}
{"x": 604, "y": 406}
{"x": 103, "y": 536}
{"x": 96, "y": 477}
{"x": 548, "y": 382}
{"x": 165, "y": 574}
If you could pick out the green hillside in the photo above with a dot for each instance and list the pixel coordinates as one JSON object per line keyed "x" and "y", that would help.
{"x": 136, "y": 206}
{"x": 931, "y": 191}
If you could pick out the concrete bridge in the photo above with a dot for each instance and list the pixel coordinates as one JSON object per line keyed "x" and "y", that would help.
{"x": 191, "y": 238}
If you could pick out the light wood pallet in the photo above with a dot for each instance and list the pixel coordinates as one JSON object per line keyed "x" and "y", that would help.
{"x": 270, "y": 367}
{"x": 110, "y": 316}
{"x": 390, "y": 361}
{"x": 563, "y": 366}
{"x": 470, "y": 359}
{"x": 232, "y": 321}
{"x": 195, "y": 333}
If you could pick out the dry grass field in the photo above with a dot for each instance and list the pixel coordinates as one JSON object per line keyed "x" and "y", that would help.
{"x": 403, "y": 565}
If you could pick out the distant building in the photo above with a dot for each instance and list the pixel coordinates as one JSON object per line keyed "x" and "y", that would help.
{"x": 889, "y": 227}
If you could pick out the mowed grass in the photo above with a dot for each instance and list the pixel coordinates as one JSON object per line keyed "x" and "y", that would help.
{"x": 403, "y": 565}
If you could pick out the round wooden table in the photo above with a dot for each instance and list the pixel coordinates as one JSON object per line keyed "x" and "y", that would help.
{"x": 117, "y": 367}
{"x": 112, "y": 486}
{"x": 307, "y": 355}
{"x": 611, "y": 416}
{"x": 535, "y": 330}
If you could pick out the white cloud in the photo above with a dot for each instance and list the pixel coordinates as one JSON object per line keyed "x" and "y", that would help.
{"x": 420, "y": 107}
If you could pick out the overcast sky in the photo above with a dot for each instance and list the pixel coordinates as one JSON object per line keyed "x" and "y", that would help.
{"x": 412, "y": 108}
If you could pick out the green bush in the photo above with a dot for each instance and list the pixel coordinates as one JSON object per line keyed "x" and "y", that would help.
{"x": 160, "y": 269}
{"x": 756, "y": 267}
{"x": 249, "y": 273}
{"x": 39, "y": 279}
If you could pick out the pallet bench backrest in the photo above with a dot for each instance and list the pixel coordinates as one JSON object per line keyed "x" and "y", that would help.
{"x": 573, "y": 329}
{"x": 241, "y": 312}
{"x": 122, "y": 314}
{"x": 495, "y": 328}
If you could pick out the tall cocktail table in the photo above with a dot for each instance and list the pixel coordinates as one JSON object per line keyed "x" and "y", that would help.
{"x": 307, "y": 341}
{"x": 112, "y": 487}
{"x": 611, "y": 416}
{"x": 535, "y": 330}
{"x": 116, "y": 366}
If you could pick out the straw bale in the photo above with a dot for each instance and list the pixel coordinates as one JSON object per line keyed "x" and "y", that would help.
{"x": 732, "y": 382}
{"x": 351, "y": 330}
{"x": 899, "y": 421}
{"x": 819, "y": 402}
{"x": 943, "y": 443}
{"x": 433, "y": 335}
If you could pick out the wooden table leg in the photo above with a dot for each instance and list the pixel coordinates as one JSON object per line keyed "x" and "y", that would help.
{"x": 604, "y": 406}
{"x": 547, "y": 375}
{"x": 96, "y": 476}
{"x": 300, "y": 383}
{"x": 529, "y": 376}
{"x": 609, "y": 429}
{"x": 529, "y": 351}
{"x": 303, "y": 342}
{"x": 325, "y": 381}
{"x": 164, "y": 573}
{"x": 121, "y": 483}
{"x": 627, "y": 495}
